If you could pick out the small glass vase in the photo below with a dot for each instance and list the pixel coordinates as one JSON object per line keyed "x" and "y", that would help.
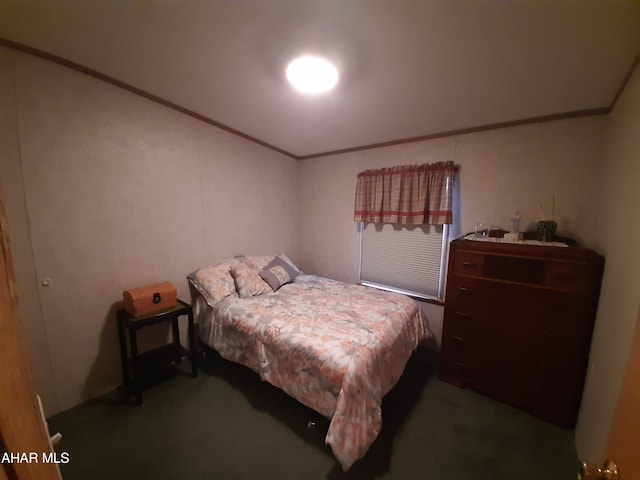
{"x": 546, "y": 230}
{"x": 481, "y": 229}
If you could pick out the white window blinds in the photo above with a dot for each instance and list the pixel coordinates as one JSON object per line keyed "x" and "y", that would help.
{"x": 408, "y": 258}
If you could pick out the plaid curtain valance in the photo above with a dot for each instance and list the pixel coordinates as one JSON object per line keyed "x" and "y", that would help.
{"x": 407, "y": 194}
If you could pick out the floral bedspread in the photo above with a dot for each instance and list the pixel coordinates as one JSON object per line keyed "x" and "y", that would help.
{"x": 335, "y": 347}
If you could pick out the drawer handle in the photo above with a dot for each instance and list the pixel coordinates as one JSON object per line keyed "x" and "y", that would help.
{"x": 465, "y": 290}
{"x": 458, "y": 364}
{"x": 463, "y": 315}
{"x": 468, "y": 264}
{"x": 460, "y": 339}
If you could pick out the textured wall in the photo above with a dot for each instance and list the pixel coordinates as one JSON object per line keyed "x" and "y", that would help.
{"x": 620, "y": 296}
{"x": 121, "y": 192}
{"x": 501, "y": 171}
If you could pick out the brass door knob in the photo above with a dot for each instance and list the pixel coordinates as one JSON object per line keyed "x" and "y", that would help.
{"x": 609, "y": 471}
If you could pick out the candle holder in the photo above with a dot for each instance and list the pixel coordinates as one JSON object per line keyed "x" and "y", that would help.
{"x": 546, "y": 230}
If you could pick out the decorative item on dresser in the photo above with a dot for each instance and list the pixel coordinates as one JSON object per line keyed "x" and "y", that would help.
{"x": 518, "y": 321}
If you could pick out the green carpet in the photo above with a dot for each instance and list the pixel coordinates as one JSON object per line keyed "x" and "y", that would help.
{"x": 227, "y": 424}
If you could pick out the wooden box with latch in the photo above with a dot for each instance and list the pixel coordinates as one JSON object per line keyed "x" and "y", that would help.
{"x": 150, "y": 299}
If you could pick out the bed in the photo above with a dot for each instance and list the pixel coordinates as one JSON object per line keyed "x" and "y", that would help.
{"x": 335, "y": 347}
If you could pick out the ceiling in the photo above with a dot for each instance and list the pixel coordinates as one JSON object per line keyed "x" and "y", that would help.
{"x": 408, "y": 68}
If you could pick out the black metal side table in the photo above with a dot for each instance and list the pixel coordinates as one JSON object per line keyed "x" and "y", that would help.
{"x": 137, "y": 367}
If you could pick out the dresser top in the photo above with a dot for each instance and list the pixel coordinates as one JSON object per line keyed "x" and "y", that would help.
{"x": 527, "y": 250}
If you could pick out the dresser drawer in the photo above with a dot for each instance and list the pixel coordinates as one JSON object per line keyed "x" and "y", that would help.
{"x": 467, "y": 293}
{"x": 557, "y": 393}
{"x": 467, "y": 263}
{"x": 556, "y": 351}
{"x": 565, "y": 316}
{"x": 457, "y": 356}
{"x": 504, "y": 371}
{"x": 458, "y": 348}
{"x": 459, "y": 323}
{"x": 569, "y": 277}
{"x": 561, "y": 353}
{"x": 453, "y": 371}
{"x": 509, "y": 310}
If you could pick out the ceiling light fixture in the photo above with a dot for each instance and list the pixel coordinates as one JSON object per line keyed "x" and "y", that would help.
{"x": 311, "y": 74}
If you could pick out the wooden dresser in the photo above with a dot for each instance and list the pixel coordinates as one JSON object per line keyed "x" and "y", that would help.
{"x": 518, "y": 321}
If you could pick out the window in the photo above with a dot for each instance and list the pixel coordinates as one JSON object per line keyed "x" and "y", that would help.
{"x": 409, "y": 259}
{"x": 404, "y": 214}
